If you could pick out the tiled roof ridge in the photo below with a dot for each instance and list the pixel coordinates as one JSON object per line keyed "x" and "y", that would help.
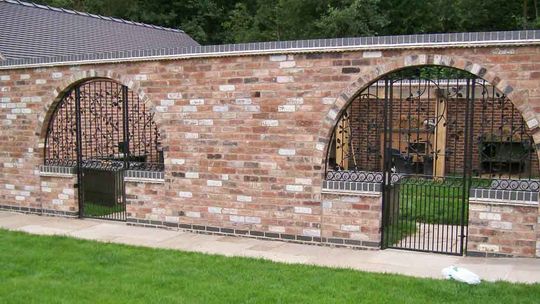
{"x": 73, "y": 12}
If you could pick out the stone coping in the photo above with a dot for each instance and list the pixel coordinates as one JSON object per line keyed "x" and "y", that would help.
{"x": 484, "y": 201}
{"x": 129, "y": 175}
{"x": 144, "y": 180}
{"x": 505, "y": 197}
{"x": 469, "y": 39}
{"x": 144, "y": 176}
{"x": 57, "y": 171}
{"x": 352, "y": 188}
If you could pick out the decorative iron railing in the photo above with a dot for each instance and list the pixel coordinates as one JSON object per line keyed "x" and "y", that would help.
{"x": 434, "y": 122}
{"x": 101, "y": 123}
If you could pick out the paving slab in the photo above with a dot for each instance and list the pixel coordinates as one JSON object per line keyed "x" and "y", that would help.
{"x": 113, "y": 230}
{"x": 6, "y": 214}
{"x": 14, "y": 220}
{"x": 43, "y": 230}
{"x": 182, "y": 241}
{"x": 386, "y": 261}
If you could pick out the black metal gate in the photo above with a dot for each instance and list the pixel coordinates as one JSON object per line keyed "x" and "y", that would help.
{"x": 430, "y": 136}
{"x": 103, "y": 129}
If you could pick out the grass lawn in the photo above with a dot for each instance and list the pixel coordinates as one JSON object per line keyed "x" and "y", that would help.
{"x": 430, "y": 202}
{"x": 398, "y": 230}
{"x": 97, "y": 210}
{"x": 42, "y": 269}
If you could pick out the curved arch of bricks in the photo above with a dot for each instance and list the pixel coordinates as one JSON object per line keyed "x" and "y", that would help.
{"x": 79, "y": 77}
{"x": 519, "y": 97}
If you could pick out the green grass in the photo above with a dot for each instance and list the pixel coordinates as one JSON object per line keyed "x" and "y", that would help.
{"x": 435, "y": 201}
{"x": 398, "y": 230}
{"x": 428, "y": 201}
{"x": 43, "y": 269}
{"x": 432, "y": 202}
{"x": 93, "y": 209}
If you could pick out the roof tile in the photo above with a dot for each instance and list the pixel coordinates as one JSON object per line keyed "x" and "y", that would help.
{"x": 29, "y": 30}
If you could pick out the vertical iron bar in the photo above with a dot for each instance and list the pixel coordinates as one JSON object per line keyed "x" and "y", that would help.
{"x": 391, "y": 187}
{"x": 402, "y": 203}
{"x": 80, "y": 182}
{"x": 386, "y": 183}
{"x": 483, "y": 170}
{"x": 469, "y": 113}
{"x": 127, "y": 149}
{"x": 366, "y": 129}
{"x": 466, "y": 191}
{"x": 393, "y": 211}
{"x": 126, "y": 126}
{"x": 429, "y": 187}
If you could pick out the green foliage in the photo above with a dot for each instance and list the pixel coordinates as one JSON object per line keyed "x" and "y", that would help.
{"x": 354, "y": 18}
{"x": 46, "y": 269}
{"x": 96, "y": 210}
{"x": 222, "y": 21}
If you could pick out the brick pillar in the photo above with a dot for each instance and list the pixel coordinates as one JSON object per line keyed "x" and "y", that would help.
{"x": 58, "y": 195}
{"x": 353, "y": 219}
{"x": 507, "y": 229}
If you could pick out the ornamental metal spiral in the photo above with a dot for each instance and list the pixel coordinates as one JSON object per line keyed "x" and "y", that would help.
{"x": 404, "y": 106}
{"x": 117, "y": 130}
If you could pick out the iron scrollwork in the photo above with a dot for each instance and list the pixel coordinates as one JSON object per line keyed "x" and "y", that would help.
{"x": 436, "y": 127}
{"x": 117, "y": 131}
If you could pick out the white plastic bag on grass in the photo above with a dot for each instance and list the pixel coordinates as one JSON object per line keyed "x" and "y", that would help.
{"x": 461, "y": 275}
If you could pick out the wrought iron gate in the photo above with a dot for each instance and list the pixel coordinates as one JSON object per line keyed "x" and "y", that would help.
{"x": 430, "y": 136}
{"x": 103, "y": 129}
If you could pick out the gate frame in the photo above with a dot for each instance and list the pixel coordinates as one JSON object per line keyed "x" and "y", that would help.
{"x": 78, "y": 143}
{"x": 388, "y": 188}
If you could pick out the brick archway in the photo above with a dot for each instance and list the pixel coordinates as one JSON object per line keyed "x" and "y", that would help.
{"x": 80, "y": 77}
{"x": 513, "y": 89}
{"x": 519, "y": 97}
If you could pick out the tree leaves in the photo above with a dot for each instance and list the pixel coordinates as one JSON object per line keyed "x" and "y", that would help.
{"x": 234, "y": 21}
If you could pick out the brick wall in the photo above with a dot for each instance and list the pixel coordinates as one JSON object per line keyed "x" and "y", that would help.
{"x": 244, "y": 137}
{"x": 59, "y": 193}
{"x": 502, "y": 229}
{"x": 145, "y": 201}
{"x": 356, "y": 218}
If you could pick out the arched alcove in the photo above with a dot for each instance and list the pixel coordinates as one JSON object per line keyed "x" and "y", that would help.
{"x": 102, "y": 129}
{"x": 431, "y": 137}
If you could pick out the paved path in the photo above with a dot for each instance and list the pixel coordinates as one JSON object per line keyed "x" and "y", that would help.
{"x": 391, "y": 261}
